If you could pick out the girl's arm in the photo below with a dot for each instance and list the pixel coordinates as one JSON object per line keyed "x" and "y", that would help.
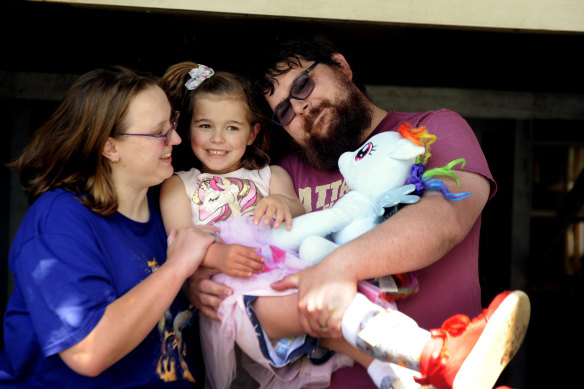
{"x": 201, "y": 290}
{"x": 234, "y": 260}
{"x": 175, "y": 205}
{"x": 282, "y": 204}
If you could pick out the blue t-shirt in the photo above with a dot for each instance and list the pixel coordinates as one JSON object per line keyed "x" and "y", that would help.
{"x": 69, "y": 264}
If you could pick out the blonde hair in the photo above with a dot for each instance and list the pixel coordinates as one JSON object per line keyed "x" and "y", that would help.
{"x": 66, "y": 151}
{"x": 221, "y": 84}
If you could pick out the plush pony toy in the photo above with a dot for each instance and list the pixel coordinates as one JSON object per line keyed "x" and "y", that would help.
{"x": 376, "y": 174}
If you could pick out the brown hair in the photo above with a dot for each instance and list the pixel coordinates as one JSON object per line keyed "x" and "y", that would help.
{"x": 66, "y": 151}
{"x": 221, "y": 84}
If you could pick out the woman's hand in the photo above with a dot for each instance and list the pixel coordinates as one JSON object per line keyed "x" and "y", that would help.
{"x": 188, "y": 246}
{"x": 130, "y": 318}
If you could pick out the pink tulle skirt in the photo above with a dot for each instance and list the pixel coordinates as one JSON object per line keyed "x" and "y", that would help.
{"x": 219, "y": 338}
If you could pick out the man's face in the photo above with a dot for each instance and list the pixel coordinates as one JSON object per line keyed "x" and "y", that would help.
{"x": 330, "y": 121}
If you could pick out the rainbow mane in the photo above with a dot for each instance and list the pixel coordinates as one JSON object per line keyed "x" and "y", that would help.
{"x": 427, "y": 178}
{"x": 420, "y": 137}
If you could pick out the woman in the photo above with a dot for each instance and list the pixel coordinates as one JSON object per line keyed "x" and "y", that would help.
{"x": 96, "y": 300}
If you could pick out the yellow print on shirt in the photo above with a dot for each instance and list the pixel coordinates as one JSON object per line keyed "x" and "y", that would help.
{"x": 172, "y": 364}
{"x": 324, "y": 196}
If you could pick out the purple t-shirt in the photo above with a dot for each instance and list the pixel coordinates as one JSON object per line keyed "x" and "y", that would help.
{"x": 450, "y": 285}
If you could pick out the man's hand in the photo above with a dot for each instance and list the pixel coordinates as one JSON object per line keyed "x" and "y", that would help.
{"x": 323, "y": 296}
{"x": 205, "y": 294}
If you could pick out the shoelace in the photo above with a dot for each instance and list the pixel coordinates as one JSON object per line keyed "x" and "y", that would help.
{"x": 454, "y": 326}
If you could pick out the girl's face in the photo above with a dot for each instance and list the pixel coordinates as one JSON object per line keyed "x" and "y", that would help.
{"x": 220, "y": 132}
{"x": 142, "y": 161}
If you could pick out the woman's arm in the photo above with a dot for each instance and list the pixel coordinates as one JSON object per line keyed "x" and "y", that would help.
{"x": 131, "y": 317}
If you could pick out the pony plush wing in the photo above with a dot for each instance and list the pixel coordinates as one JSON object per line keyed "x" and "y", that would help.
{"x": 395, "y": 196}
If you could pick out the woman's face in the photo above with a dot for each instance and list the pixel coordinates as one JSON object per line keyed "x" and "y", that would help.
{"x": 145, "y": 161}
{"x": 220, "y": 133}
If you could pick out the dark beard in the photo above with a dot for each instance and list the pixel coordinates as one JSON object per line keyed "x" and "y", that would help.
{"x": 350, "y": 117}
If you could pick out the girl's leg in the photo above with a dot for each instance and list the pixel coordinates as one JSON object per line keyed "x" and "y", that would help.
{"x": 278, "y": 315}
{"x": 485, "y": 344}
{"x": 383, "y": 374}
{"x": 462, "y": 354}
{"x": 279, "y": 319}
{"x": 387, "y": 335}
{"x": 341, "y": 346}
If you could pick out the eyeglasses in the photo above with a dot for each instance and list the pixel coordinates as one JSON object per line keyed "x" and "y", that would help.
{"x": 301, "y": 88}
{"x": 167, "y": 135}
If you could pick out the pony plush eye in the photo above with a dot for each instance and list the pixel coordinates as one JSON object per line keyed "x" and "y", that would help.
{"x": 365, "y": 150}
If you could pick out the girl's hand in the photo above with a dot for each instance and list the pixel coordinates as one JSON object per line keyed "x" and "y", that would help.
{"x": 236, "y": 260}
{"x": 273, "y": 207}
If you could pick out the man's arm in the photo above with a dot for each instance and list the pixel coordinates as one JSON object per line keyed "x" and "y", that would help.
{"x": 413, "y": 238}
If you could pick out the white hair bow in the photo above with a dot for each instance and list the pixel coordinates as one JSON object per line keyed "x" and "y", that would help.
{"x": 198, "y": 75}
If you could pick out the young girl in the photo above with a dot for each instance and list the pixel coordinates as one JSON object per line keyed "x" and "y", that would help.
{"x": 233, "y": 178}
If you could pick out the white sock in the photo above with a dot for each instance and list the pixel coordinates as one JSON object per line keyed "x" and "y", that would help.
{"x": 389, "y": 335}
{"x": 355, "y": 315}
{"x": 381, "y": 373}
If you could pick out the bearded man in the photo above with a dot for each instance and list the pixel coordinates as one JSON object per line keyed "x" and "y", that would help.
{"x": 309, "y": 87}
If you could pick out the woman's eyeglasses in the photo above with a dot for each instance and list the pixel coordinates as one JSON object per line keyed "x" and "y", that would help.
{"x": 301, "y": 88}
{"x": 167, "y": 135}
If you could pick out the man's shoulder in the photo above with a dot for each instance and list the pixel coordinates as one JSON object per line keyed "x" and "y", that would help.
{"x": 395, "y": 118}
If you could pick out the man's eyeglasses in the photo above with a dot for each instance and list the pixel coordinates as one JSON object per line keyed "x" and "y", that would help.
{"x": 301, "y": 88}
{"x": 167, "y": 135}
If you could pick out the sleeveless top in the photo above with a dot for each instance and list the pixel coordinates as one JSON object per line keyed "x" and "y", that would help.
{"x": 217, "y": 197}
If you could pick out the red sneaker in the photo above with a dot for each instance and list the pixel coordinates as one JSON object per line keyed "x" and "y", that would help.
{"x": 466, "y": 354}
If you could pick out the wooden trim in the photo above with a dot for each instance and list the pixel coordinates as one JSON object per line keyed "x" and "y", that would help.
{"x": 536, "y": 15}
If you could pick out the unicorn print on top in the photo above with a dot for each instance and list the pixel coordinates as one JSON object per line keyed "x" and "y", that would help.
{"x": 219, "y": 198}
